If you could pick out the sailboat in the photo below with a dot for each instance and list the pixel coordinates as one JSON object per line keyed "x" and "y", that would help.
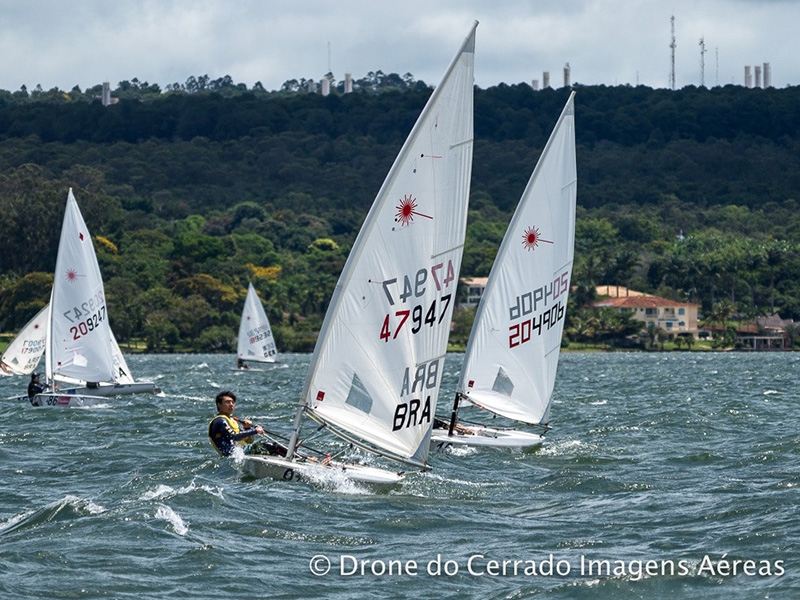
{"x": 375, "y": 373}
{"x": 510, "y": 363}
{"x": 82, "y": 358}
{"x": 256, "y": 343}
{"x": 25, "y": 350}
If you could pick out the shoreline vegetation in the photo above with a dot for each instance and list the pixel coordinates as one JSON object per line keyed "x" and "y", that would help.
{"x": 194, "y": 193}
{"x": 139, "y": 346}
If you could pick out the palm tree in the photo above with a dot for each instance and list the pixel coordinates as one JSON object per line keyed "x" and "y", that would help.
{"x": 689, "y": 339}
{"x": 721, "y": 312}
{"x": 776, "y": 252}
{"x": 792, "y": 332}
{"x": 653, "y": 332}
{"x": 624, "y": 266}
{"x": 583, "y": 327}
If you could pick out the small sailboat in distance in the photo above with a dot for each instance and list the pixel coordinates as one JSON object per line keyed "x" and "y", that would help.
{"x": 25, "y": 351}
{"x": 375, "y": 373}
{"x": 511, "y": 359}
{"x": 82, "y": 357}
{"x": 256, "y": 343}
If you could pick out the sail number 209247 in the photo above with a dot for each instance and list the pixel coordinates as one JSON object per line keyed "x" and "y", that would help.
{"x": 407, "y": 290}
{"x": 91, "y": 319}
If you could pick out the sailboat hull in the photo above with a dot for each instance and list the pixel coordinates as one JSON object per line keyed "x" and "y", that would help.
{"x": 115, "y": 389}
{"x": 485, "y": 437}
{"x": 65, "y": 400}
{"x": 281, "y": 469}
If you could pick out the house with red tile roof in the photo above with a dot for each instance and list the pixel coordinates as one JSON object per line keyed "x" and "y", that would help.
{"x": 670, "y": 315}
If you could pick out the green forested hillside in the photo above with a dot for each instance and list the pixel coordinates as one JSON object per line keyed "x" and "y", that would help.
{"x": 192, "y": 195}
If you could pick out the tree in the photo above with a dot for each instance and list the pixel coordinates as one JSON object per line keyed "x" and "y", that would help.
{"x": 125, "y": 308}
{"x": 23, "y": 298}
{"x": 654, "y": 333}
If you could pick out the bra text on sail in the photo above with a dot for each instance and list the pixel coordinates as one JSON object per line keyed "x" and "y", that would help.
{"x": 416, "y": 412}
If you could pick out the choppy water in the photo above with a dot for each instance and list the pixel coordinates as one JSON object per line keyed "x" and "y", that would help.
{"x": 664, "y": 473}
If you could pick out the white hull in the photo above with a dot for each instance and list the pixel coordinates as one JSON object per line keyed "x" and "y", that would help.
{"x": 114, "y": 389}
{"x": 65, "y": 400}
{"x": 259, "y": 364}
{"x": 485, "y": 437}
{"x": 281, "y": 469}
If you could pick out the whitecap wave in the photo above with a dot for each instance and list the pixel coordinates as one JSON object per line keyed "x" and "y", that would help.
{"x": 165, "y": 513}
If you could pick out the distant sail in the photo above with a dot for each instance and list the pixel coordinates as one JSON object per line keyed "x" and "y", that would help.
{"x": 255, "y": 334}
{"x": 25, "y": 351}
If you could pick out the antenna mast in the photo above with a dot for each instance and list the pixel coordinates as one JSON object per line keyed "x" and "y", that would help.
{"x": 672, "y": 45}
{"x": 702, "y": 62}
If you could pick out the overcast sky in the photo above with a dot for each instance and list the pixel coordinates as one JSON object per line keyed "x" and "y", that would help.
{"x": 58, "y": 43}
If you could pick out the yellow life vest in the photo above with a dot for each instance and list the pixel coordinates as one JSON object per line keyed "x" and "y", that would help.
{"x": 234, "y": 425}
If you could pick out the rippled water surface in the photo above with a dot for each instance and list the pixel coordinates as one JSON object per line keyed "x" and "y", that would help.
{"x": 666, "y": 475}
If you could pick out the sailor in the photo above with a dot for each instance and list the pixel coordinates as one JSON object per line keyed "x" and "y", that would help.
{"x": 240, "y": 364}
{"x": 34, "y": 387}
{"x": 225, "y": 431}
{"x": 440, "y": 423}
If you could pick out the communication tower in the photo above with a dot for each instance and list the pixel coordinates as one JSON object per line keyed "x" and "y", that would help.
{"x": 702, "y": 62}
{"x": 672, "y": 46}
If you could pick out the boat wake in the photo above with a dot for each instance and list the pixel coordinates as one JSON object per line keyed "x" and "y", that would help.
{"x": 337, "y": 481}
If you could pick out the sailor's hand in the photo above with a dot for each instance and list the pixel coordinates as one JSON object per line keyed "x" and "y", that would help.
{"x": 259, "y": 429}
{"x": 247, "y": 423}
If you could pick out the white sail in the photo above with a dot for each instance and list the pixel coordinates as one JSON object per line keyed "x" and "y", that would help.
{"x": 25, "y": 350}
{"x": 122, "y": 374}
{"x": 78, "y": 342}
{"x": 510, "y": 363}
{"x": 378, "y": 362}
{"x": 255, "y": 335}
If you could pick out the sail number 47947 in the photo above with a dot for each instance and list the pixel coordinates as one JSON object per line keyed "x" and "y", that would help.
{"x": 415, "y": 287}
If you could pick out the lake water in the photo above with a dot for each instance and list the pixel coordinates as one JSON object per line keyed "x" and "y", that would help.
{"x": 666, "y": 476}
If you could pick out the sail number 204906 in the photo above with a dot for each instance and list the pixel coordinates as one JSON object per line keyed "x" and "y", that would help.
{"x": 538, "y": 309}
